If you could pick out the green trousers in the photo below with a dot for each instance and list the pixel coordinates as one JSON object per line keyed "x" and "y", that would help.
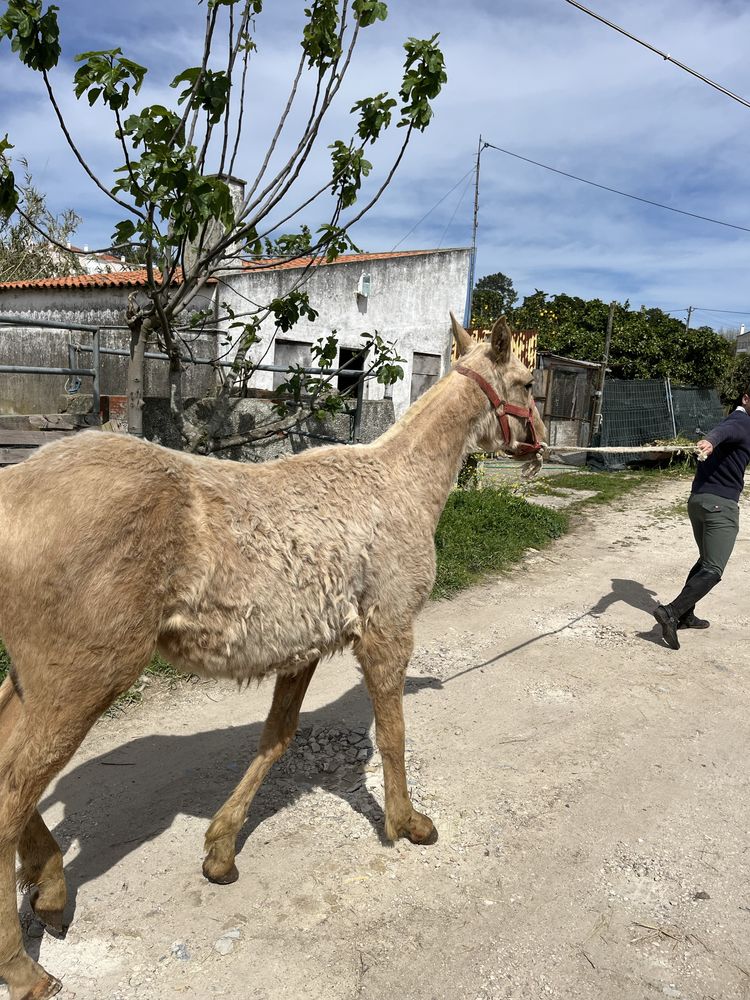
{"x": 716, "y": 522}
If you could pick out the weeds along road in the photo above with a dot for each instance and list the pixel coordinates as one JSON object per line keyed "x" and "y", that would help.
{"x": 590, "y": 787}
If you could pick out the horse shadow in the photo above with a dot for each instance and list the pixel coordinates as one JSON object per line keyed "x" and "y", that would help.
{"x": 196, "y": 774}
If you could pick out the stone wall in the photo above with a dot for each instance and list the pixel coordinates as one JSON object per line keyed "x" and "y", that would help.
{"x": 409, "y": 300}
{"x": 247, "y": 414}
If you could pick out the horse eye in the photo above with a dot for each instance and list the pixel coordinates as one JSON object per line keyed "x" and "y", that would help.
{"x": 529, "y": 386}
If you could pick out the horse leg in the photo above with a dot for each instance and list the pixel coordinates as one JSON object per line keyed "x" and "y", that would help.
{"x": 41, "y": 727}
{"x": 41, "y": 872}
{"x": 384, "y": 659}
{"x": 41, "y": 859}
{"x": 278, "y": 733}
{"x": 25, "y": 977}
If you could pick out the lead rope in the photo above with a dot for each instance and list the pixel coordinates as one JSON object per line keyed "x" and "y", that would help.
{"x": 626, "y": 450}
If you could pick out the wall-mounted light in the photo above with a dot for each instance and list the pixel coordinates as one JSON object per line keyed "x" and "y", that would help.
{"x": 363, "y": 285}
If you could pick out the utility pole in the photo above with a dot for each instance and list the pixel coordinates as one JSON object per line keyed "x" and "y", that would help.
{"x": 597, "y": 418}
{"x": 475, "y": 226}
{"x": 687, "y": 321}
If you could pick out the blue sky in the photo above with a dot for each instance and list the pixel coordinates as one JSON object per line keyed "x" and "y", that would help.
{"x": 535, "y": 76}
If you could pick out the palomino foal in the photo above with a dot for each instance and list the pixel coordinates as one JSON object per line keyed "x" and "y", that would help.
{"x": 112, "y": 547}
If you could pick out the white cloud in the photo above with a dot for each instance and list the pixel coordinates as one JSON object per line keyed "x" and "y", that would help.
{"x": 535, "y": 76}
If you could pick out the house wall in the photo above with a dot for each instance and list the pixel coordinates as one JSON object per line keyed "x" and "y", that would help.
{"x": 409, "y": 301}
{"x": 25, "y": 345}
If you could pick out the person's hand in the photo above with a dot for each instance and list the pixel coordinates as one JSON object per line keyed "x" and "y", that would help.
{"x": 704, "y": 449}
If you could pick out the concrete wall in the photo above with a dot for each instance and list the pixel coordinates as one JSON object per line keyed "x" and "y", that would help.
{"x": 48, "y": 348}
{"x": 409, "y": 301}
{"x": 247, "y": 414}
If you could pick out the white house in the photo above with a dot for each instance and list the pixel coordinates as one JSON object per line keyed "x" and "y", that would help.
{"x": 405, "y": 295}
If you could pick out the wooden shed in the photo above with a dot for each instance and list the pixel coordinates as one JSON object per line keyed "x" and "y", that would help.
{"x": 565, "y": 392}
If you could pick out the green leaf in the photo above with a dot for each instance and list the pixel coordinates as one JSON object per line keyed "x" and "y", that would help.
{"x": 8, "y": 192}
{"x": 369, "y": 11}
{"x": 109, "y": 75}
{"x": 375, "y": 114}
{"x": 288, "y": 309}
{"x": 424, "y": 76}
{"x": 34, "y": 35}
{"x": 206, "y": 89}
{"x": 320, "y": 36}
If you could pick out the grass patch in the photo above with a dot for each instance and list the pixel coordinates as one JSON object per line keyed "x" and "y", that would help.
{"x": 608, "y": 486}
{"x": 4, "y": 662}
{"x": 678, "y": 509}
{"x": 485, "y": 531}
{"x": 158, "y": 667}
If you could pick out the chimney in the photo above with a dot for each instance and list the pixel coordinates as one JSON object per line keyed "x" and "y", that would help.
{"x": 214, "y": 230}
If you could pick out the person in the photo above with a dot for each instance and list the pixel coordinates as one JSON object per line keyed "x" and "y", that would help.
{"x": 713, "y": 509}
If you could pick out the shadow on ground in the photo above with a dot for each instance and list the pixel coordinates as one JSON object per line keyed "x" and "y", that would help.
{"x": 113, "y": 810}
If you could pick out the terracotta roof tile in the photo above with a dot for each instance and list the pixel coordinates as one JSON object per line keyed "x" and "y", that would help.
{"x": 279, "y": 264}
{"x": 117, "y": 279}
{"x": 137, "y": 279}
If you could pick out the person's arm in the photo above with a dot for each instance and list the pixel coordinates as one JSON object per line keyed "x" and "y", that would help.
{"x": 730, "y": 431}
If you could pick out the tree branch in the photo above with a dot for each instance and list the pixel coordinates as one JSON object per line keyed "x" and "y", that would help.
{"x": 69, "y": 139}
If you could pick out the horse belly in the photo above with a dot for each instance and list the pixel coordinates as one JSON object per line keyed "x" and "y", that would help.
{"x": 246, "y": 641}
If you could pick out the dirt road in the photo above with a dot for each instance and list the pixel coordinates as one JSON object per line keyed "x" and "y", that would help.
{"x": 590, "y": 787}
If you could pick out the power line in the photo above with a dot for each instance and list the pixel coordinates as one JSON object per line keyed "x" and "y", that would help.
{"x": 664, "y": 55}
{"x": 733, "y": 312}
{"x": 439, "y": 202}
{"x": 623, "y": 194}
{"x": 455, "y": 211}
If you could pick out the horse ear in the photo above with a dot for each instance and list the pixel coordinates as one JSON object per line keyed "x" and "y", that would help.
{"x": 501, "y": 338}
{"x": 462, "y": 338}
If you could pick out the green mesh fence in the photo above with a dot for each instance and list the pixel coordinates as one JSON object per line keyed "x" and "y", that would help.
{"x": 640, "y": 411}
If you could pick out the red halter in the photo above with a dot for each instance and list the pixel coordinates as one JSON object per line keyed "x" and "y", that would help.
{"x": 502, "y": 409}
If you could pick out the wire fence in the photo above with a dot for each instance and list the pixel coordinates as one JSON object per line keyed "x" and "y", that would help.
{"x": 641, "y": 411}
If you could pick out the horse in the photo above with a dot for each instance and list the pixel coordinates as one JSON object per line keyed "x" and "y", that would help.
{"x": 113, "y": 547}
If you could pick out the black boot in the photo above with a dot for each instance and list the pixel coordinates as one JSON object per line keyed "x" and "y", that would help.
{"x": 668, "y": 616}
{"x": 691, "y": 620}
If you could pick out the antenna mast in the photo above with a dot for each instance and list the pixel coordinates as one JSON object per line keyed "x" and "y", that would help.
{"x": 475, "y": 226}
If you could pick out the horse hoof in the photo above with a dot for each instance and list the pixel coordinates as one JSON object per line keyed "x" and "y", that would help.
{"x": 432, "y": 839}
{"x": 428, "y": 841}
{"x": 421, "y": 830}
{"x": 53, "y": 921}
{"x": 45, "y": 988}
{"x": 221, "y": 879}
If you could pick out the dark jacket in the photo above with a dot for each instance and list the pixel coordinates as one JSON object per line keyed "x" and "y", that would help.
{"x": 723, "y": 472}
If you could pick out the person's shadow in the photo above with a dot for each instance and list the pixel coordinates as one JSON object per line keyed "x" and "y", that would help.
{"x": 625, "y": 591}
{"x": 637, "y": 596}
{"x": 196, "y": 774}
{"x": 628, "y": 592}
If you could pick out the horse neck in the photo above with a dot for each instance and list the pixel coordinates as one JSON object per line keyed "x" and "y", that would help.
{"x": 426, "y": 447}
